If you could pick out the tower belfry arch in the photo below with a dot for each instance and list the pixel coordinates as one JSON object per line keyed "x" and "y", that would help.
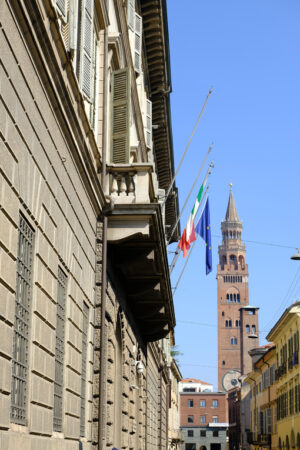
{"x": 237, "y": 320}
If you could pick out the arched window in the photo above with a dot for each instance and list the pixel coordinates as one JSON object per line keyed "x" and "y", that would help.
{"x": 227, "y": 298}
{"x": 230, "y": 235}
{"x": 234, "y": 298}
{"x": 223, "y": 363}
{"x": 233, "y": 341}
{"x": 223, "y": 313}
{"x": 242, "y": 262}
{"x": 229, "y": 323}
{"x": 238, "y": 298}
{"x": 226, "y": 323}
{"x": 237, "y": 323}
{"x": 247, "y": 328}
{"x": 253, "y": 329}
{"x": 231, "y": 297}
{"x": 232, "y": 261}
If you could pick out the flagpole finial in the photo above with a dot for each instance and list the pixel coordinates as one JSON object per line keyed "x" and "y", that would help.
{"x": 230, "y": 185}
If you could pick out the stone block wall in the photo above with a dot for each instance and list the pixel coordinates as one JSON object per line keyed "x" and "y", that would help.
{"x": 40, "y": 180}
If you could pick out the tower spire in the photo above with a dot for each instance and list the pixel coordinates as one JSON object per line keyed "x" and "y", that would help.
{"x": 231, "y": 213}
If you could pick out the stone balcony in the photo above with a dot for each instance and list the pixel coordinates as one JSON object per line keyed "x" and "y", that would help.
{"x": 137, "y": 247}
{"x": 132, "y": 183}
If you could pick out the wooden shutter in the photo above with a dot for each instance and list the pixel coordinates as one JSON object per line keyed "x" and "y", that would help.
{"x": 73, "y": 25}
{"x": 61, "y": 6}
{"x": 86, "y": 47}
{"x": 94, "y": 83}
{"x": 137, "y": 55}
{"x": 148, "y": 127}
{"x": 130, "y": 14}
{"x": 120, "y": 109}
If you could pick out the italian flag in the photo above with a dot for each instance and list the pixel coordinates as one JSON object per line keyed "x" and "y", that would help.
{"x": 188, "y": 236}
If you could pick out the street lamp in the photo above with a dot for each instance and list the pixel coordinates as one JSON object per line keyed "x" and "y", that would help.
{"x": 297, "y": 255}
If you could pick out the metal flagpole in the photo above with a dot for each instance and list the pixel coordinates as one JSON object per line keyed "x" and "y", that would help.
{"x": 187, "y": 146}
{"x": 178, "y": 250}
{"x": 187, "y": 259}
{"x": 192, "y": 188}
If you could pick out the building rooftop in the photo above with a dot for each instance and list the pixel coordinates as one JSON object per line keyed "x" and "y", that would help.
{"x": 194, "y": 380}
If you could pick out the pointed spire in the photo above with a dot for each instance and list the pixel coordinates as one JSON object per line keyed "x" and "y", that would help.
{"x": 231, "y": 213}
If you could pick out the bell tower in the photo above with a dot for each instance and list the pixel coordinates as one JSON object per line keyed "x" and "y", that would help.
{"x": 236, "y": 319}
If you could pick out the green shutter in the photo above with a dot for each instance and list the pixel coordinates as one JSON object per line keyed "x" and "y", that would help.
{"x": 120, "y": 109}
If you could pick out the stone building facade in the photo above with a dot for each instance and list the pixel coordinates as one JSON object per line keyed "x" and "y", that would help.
{"x": 86, "y": 305}
{"x": 237, "y": 320}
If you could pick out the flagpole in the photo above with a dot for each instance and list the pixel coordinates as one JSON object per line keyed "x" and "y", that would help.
{"x": 187, "y": 146}
{"x": 187, "y": 259}
{"x": 177, "y": 251}
{"x": 192, "y": 188}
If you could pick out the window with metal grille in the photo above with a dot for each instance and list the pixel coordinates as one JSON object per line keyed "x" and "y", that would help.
{"x": 59, "y": 350}
{"x": 85, "y": 322}
{"x": 22, "y": 320}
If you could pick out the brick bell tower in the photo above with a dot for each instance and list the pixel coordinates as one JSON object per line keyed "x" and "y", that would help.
{"x": 236, "y": 319}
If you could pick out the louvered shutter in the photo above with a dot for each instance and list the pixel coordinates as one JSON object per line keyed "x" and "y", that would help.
{"x": 137, "y": 43}
{"x": 62, "y": 8}
{"x": 93, "y": 83}
{"x": 120, "y": 109}
{"x": 86, "y": 47}
{"x": 148, "y": 127}
{"x": 73, "y": 26}
{"x": 130, "y": 13}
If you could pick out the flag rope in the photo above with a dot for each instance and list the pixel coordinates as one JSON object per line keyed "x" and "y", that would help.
{"x": 178, "y": 250}
{"x": 211, "y": 166}
{"x": 187, "y": 146}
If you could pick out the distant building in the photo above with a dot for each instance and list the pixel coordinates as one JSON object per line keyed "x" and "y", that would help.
{"x": 194, "y": 385}
{"x": 203, "y": 418}
{"x": 236, "y": 319}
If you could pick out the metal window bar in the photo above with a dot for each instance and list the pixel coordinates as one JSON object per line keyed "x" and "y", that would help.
{"x": 21, "y": 326}
{"x": 85, "y": 313}
{"x": 59, "y": 350}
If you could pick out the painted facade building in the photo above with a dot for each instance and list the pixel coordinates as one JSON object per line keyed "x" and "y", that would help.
{"x": 285, "y": 335}
{"x": 262, "y": 382}
{"x": 86, "y": 302}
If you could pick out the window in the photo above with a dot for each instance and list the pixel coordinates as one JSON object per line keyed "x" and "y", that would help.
{"x": 223, "y": 314}
{"x": 247, "y": 328}
{"x": 238, "y": 297}
{"x": 190, "y": 433}
{"x": 202, "y": 433}
{"x": 202, "y": 403}
{"x": 59, "y": 350}
{"x": 22, "y": 321}
{"x": 215, "y": 403}
{"x": 237, "y": 323}
{"x": 202, "y": 419}
{"x": 85, "y": 322}
{"x": 189, "y": 389}
{"x": 223, "y": 363}
{"x": 253, "y": 329}
{"x": 215, "y": 419}
{"x": 190, "y": 419}
{"x": 190, "y": 403}
{"x": 190, "y": 446}
{"x": 215, "y": 433}
{"x": 233, "y": 341}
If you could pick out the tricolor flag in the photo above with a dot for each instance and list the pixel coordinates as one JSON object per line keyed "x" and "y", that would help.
{"x": 188, "y": 236}
{"x": 203, "y": 228}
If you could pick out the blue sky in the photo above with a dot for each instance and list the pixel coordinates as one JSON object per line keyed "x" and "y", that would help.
{"x": 249, "y": 51}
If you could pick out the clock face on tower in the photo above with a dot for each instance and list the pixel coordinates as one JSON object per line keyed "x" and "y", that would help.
{"x": 231, "y": 379}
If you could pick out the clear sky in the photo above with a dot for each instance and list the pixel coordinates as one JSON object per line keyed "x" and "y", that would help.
{"x": 249, "y": 51}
